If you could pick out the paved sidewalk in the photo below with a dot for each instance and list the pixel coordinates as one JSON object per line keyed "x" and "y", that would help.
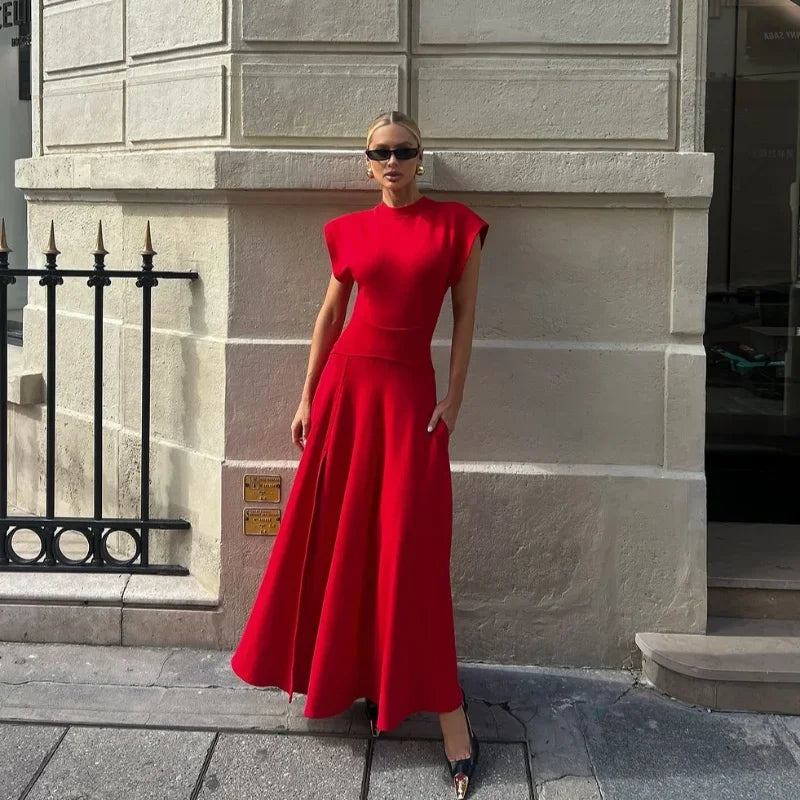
{"x": 117, "y": 723}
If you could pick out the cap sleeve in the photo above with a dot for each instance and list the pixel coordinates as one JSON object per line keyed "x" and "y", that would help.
{"x": 335, "y": 240}
{"x": 469, "y": 225}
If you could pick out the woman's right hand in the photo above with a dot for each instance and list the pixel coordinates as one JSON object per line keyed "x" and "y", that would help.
{"x": 301, "y": 424}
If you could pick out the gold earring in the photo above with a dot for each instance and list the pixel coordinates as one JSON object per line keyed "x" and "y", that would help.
{"x": 420, "y": 169}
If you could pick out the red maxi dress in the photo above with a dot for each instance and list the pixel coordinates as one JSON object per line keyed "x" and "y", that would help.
{"x": 356, "y": 597}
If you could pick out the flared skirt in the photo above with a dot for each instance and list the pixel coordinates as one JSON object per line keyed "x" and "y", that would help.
{"x": 356, "y": 599}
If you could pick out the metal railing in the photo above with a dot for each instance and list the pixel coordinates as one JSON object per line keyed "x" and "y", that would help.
{"x": 92, "y": 533}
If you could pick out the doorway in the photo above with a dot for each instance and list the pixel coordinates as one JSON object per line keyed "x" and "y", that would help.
{"x": 752, "y": 333}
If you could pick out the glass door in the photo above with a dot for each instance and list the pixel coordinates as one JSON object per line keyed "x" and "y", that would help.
{"x": 752, "y": 336}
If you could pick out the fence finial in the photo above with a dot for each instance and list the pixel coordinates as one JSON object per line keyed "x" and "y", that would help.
{"x": 52, "y": 250}
{"x": 99, "y": 248}
{"x": 148, "y": 244}
{"x": 4, "y": 248}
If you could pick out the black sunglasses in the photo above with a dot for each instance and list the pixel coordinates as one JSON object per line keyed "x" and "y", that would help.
{"x": 384, "y": 153}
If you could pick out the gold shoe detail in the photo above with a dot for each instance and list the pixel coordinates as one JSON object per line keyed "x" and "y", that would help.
{"x": 460, "y": 782}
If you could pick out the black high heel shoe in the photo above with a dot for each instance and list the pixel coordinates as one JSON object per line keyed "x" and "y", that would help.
{"x": 462, "y": 768}
{"x": 371, "y": 710}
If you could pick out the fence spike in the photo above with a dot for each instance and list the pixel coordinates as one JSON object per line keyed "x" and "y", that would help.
{"x": 4, "y": 248}
{"x": 99, "y": 248}
{"x": 52, "y": 250}
{"x": 148, "y": 244}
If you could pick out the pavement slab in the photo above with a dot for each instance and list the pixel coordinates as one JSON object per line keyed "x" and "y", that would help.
{"x": 645, "y": 747}
{"x": 338, "y": 723}
{"x": 569, "y": 788}
{"x": 414, "y": 770}
{"x": 214, "y": 709}
{"x": 5, "y": 691}
{"x": 123, "y": 764}
{"x": 80, "y": 703}
{"x": 197, "y": 667}
{"x": 23, "y": 749}
{"x": 21, "y": 662}
{"x": 284, "y": 767}
{"x": 557, "y": 745}
{"x": 523, "y": 689}
{"x": 788, "y": 729}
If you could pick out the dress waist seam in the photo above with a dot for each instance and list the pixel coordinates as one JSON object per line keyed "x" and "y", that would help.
{"x": 411, "y": 346}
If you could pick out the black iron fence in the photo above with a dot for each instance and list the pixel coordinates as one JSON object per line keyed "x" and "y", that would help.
{"x": 92, "y": 533}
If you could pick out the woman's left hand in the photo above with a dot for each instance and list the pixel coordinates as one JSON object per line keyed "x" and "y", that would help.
{"x": 447, "y": 411}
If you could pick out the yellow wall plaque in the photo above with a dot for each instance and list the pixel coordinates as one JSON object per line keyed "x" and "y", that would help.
{"x": 262, "y": 488}
{"x": 261, "y": 521}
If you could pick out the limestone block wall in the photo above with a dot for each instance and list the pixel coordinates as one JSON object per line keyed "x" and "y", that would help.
{"x": 237, "y": 128}
{"x": 619, "y": 74}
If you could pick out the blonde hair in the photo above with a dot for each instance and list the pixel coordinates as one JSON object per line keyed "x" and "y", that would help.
{"x": 394, "y": 118}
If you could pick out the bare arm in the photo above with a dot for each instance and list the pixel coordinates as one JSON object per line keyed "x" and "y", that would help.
{"x": 327, "y": 327}
{"x": 464, "y": 296}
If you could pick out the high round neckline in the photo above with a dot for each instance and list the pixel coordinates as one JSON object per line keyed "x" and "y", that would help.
{"x": 410, "y": 207}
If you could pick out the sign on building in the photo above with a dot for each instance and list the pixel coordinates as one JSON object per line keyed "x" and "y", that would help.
{"x": 17, "y": 14}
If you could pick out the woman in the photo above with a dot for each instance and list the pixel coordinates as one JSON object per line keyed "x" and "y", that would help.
{"x": 356, "y": 597}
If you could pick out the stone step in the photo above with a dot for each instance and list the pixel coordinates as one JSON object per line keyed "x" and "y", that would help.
{"x": 753, "y": 599}
{"x": 754, "y": 571}
{"x": 110, "y": 609}
{"x": 737, "y": 665}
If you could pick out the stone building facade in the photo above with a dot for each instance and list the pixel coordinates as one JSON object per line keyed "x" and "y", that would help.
{"x": 237, "y": 128}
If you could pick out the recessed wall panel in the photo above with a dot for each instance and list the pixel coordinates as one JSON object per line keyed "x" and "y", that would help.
{"x": 574, "y": 100}
{"x": 82, "y": 34}
{"x": 180, "y": 104}
{"x": 83, "y": 111}
{"x": 156, "y": 27}
{"x": 321, "y": 21}
{"x": 587, "y": 22}
{"x": 298, "y": 98}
